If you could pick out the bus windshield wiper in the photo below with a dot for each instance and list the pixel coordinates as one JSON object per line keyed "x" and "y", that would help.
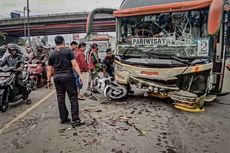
{"x": 126, "y": 51}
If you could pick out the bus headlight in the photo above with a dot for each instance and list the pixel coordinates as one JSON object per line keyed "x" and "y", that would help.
{"x": 155, "y": 90}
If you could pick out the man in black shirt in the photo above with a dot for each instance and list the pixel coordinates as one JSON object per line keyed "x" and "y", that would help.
{"x": 62, "y": 63}
{"x": 108, "y": 68}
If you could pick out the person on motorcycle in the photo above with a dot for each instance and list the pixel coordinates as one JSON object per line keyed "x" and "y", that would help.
{"x": 29, "y": 53}
{"x": 42, "y": 56}
{"x": 41, "y": 53}
{"x": 2, "y": 51}
{"x": 15, "y": 59}
{"x": 107, "y": 64}
{"x": 93, "y": 65}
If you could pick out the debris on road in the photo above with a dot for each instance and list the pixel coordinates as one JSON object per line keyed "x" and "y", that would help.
{"x": 141, "y": 132}
{"x": 99, "y": 110}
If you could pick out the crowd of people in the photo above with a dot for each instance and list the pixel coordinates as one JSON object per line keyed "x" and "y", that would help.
{"x": 91, "y": 64}
{"x": 67, "y": 65}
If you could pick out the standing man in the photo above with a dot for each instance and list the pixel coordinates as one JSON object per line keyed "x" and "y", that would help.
{"x": 81, "y": 61}
{"x": 94, "y": 66}
{"x": 62, "y": 63}
{"x": 108, "y": 68}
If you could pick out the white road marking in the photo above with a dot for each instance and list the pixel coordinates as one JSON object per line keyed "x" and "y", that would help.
{"x": 26, "y": 112}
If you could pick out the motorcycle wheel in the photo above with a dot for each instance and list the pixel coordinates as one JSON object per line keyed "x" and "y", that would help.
{"x": 35, "y": 84}
{"x": 117, "y": 93}
{"x": 3, "y": 104}
{"x": 28, "y": 101}
{"x": 31, "y": 84}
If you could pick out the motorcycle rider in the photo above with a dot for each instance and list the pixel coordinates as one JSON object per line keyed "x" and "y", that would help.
{"x": 14, "y": 59}
{"x": 42, "y": 56}
{"x": 29, "y": 53}
{"x": 41, "y": 53}
{"x": 2, "y": 51}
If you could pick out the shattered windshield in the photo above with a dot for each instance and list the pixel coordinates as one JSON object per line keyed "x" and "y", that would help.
{"x": 177, "y": 33}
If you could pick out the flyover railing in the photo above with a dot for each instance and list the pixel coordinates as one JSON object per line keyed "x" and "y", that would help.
{"x": 51, "y": 17}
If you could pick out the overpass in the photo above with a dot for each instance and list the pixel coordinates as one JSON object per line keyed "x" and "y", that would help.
{"x": 61, "y": 23}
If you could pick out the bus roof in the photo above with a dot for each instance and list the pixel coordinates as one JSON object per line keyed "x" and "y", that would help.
{"x": 145, "y": 7}
{"x": 139, "y": 3}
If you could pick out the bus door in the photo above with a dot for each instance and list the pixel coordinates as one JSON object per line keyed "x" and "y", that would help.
{"x": 224, "y": 84}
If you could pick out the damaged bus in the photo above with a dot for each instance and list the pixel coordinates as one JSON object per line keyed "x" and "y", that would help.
{"x": 178, "y": 49}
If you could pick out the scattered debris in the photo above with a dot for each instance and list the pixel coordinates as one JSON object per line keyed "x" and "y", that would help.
{"x": 98, "y": 111}
{"x": 75, "y": 134}
{"x": 170, "y": 150}
{"x": 93, "y": 97}
{"x": 123, "y": 128}
{"x": 88, "y": 110}
{"x": 44, "y": 150}
{"x": 125, "y": 117}
{"x": 16, "y": 144}
{"x": 116, "y": 151}
{"x": 141, "y": 132}
{"x": 132, "y": 112}
{"x": 87, "y": 95}
{"x": 94, "y": 141}
{"x": 119, "y": 151}
{"x": 62, "y": 130}
{"x": 113, "y": 123}
{"x": 148, "y": 111}
{"x": 164, "y": 133}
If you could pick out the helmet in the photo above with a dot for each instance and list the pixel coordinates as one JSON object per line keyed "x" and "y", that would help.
{"x": 40, "y": 46}
{"x": 12, "y": 47}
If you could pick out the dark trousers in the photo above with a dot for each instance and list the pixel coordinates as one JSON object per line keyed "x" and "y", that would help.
{"x": 66, "y": 83}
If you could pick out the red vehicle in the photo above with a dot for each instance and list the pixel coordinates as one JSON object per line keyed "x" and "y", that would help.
{"x": 36, "y": 74}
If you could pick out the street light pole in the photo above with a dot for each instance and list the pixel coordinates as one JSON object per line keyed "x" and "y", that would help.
{"x": 28, "y": 21}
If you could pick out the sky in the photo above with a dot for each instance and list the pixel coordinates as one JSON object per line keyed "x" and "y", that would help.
{"x": 54, "y": 6}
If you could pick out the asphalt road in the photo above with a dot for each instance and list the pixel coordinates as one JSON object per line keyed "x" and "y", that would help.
{"x": 134, "y": 125}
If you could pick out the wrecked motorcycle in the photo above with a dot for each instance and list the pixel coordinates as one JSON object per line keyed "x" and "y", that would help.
{"x": 111, "y": 89}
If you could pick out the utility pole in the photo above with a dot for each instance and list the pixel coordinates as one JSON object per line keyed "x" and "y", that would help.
{"x": 24, "y": 18}
{"x": 28, "y": 21}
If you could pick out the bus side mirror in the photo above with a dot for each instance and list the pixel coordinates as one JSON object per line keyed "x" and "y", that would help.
{"x": 215, "y": 16}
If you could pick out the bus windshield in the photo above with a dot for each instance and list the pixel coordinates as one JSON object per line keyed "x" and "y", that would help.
{"x": 177, "y": 33}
